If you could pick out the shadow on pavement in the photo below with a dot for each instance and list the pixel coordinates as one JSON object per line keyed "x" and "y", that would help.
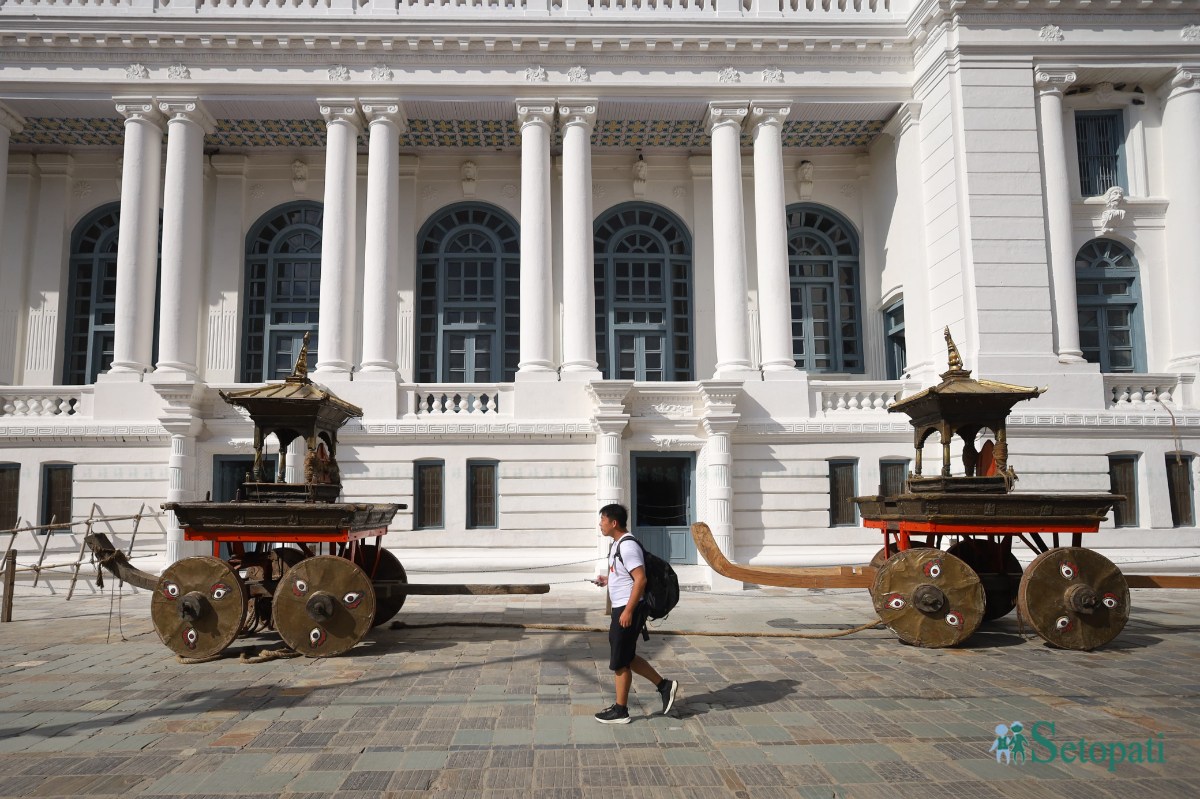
{"x": 736, "y": 696}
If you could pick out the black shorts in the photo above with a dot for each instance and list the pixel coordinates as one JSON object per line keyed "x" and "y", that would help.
{"x": 622, "y": 641}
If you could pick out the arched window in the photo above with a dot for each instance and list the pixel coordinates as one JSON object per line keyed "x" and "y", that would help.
{"x": 92, "y": 297}
{"x": 643, "y": 294}
{"x": 468, "y": 296}
{"x": 823, "y": 272}
{"x": 283, "y": 290}
{"x": 1110, "y": 315}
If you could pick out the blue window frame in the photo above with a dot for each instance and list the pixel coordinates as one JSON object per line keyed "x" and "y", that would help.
{"x": 1110, "y": 312}
{"x": 1122, "y": 479}
{"x": 468, "y": 296}
{"x": 843, "y": 483}
{"x": 643, "y": 273}
{"x": 895, "y": 351}
{"x": 58, "y": 488}
{"x": 283, "y": 290}
{"x": 823, "y": 270}
{"x": 1100, "y": 142}
{"x": 482, "y": 494}
{"x": 92, "y": 297}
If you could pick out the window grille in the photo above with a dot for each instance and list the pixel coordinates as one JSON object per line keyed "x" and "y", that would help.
{"x": 1100, "y": 137}
{"x": 482, "y": 495}
{"x": 892, "y": 475}
{"x": 1122, "y": 478}
{"x": 1109, "y": 307}
{"x": 842, "y": 479}
{"x": 57, "y": 492}
{"x": 824, "y": 276}
{"x": 430, "y": 490}
{"x": 1179, "y": 486}
{"x": 10, "y": 492}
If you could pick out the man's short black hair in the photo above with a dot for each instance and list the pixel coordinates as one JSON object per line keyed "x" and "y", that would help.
{"x": 616, "y": 513}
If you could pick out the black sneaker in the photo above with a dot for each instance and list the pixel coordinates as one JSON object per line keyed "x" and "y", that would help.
{"x": 668, "y": 692}
{"x": 614, "y": 714}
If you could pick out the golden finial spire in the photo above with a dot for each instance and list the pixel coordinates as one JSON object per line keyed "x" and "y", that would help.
{"x": 955, "y": 360}
{"x": 300, "y": 372}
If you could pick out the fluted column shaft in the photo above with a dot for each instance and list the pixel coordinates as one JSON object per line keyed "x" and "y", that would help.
{"x": 386, "y": 122}
{"x": 137, "y": 245}
{"x": 1181, "y": 132}
{"x": 537, "y": 354}
{"x": 10, "y": 123}
{"x": 770, "y": 210}
{"x": 180, "y": 470}
{"x": 337, "y": 308}
{"x": 1058, "y": 212}
{"x": 183, "y": 216}
{"x": 729, "y": 240}
{"x": 579, "y": 287}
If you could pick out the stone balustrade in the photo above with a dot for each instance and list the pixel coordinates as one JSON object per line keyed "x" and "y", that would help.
{"x": 475, "y": 399}
{"x": 29, "y": 401}
{"x": 1133, "y": 391}
{"x": 857, "y": 395}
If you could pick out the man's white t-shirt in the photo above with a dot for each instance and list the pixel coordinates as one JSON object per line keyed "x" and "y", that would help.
{"x": 620, "y": 583}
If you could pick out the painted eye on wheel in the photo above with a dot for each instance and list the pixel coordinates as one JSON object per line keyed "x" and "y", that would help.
{"x": 316, "y": 636}
{"x": 1068, "y": 570}
{"x": 1063, "y": 624}
{"x": 933, "y": 569}
{"x": 299, "y": 588}
{"x": 1110, "y": 600}
{"x": 352, "y": 599}
{"x": 219, "y": 591}
{"x": 954, "y": 618}
{"x": 190, "y": 638}
{"x": 895, "y": 601}
{"x": 170, "y": 590}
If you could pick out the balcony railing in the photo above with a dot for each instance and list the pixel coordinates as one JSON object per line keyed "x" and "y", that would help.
{"x": 447, "y": 400}
{"x": 837, "y": 396}
{"x": 44, "y": 401}
{"x": 1137, "y": 391}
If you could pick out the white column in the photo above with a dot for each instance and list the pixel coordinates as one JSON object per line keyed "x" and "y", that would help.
{"x": 770, "y": 216}
{"x": 537, "y": 354}
{"x": 12, "y": 289}
{"x": 10, "y": 123}
{"x": 720, "y": 420}
{"x": 137, "y": 245}
{"x": 1181, "y": 134}
{"x": 729, "y": 240}
{"x": 336, "y": 332}
{"x": 611, "y": 421}
{"x": 183, "y": 218}
{"x": 386, "y": 121}
{"x": 1050, "y": 87}
{"x": 576, "y": 117}
{"x": 179, "y": 489}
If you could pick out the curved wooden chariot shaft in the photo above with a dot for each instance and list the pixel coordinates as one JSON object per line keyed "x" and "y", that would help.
{"x": 781, "y": 576}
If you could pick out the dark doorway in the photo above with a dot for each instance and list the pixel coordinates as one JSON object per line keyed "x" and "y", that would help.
{"x": 229, "y": 472}
{"x": 663, "y": 504}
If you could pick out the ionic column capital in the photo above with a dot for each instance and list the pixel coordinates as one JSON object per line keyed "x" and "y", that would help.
{"x": 724, "y": 113}
{"x": 186, "y": 109}
{"x": 908, "y": 115}
{"x": 535, "y": 112}
{"x": 341, "y": 110}
{"x": 1054, "y": 81}
{"x": 10, "y": 120}
{"x": 1186, "y": 79}
{"x": 385, "y": 111}
{"x": 138, "y": 109}
{"x": 768, "y": 113}
{"x": 576, "y": 112}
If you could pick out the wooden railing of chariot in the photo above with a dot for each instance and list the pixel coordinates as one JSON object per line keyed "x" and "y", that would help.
{"x": 1073, "y": 597}
{"x": 285, "y": 556}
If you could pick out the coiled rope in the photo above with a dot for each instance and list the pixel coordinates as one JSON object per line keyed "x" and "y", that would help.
{"x": 582, "y": 628}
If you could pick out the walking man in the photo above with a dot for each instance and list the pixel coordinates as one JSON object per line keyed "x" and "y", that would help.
{"x": 626, "y": 581}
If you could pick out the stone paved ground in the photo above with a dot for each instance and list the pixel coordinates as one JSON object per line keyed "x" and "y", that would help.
{"x": 94, "y": 705}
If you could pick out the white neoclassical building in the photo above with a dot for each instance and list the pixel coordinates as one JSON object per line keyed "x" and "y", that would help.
{"x": 680, "y": 254}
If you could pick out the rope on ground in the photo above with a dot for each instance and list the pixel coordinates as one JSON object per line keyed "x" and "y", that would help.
{"x": 243, "y": 656}
{"x": 581, "y": 628}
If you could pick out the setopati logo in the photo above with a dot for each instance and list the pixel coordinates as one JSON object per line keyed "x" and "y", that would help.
{"x": 1013, "y": 744}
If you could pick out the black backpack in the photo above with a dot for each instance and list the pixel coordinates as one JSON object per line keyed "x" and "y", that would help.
{"x": 662, "y": 584}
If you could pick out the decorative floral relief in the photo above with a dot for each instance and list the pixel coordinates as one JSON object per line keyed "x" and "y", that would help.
{"x": 772, "y": 75}
{"x": 536, "y": 74}
{"x": 509, "y": 190}
{"x": 382, "y": 73}
{"x": 257, "y": 192}
{"x": 578, "y": 75}
{"x": 729, "y": 75}
{"x": 673, "y": 409}
{"x": 1051, "y": 33}
{"x": 179, "y": 72}
{"x": 339, "y": 72}
{"x": 678, "y": 192}
{"x": 136, "y": 72}
{"x": 1191, "y": 33}
{"x": 849, "y": 189}
{"x": 429, "y": 192}
{"x": 82, "y": 189}
{"x": 598, "y": 191}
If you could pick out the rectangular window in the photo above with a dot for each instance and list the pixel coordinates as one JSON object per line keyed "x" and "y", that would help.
{"x": 895, "y": 350}
{"x": 429, "y": 492}
{"x": 58, "y": 481}
{"x": 842, "y": 478}
{"x": 10, "y": 483}
{"x": 481, "y": 494}
{"x": 1122, "y": 478}
{"x": 1179, "y": 484}
{"x": 1100, "y": 136}
{"x": 892, "y": 475}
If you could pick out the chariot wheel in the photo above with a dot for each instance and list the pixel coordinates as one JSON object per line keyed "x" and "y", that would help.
{"x": 198, "y": 606}
{"x": 998, "y": 570}
{"x": 881, "y": 556}
{"x": 382, "y": 567}
{"x": 1074, "y": 598}
{"x": 928, "y": 597}
{"x": 323, "y": 606}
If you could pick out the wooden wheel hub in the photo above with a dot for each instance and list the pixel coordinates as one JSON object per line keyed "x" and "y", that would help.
{"x": 1074, "y": 598}
{"x": 928, "y": 597}
{"x": 198, "y": 606}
